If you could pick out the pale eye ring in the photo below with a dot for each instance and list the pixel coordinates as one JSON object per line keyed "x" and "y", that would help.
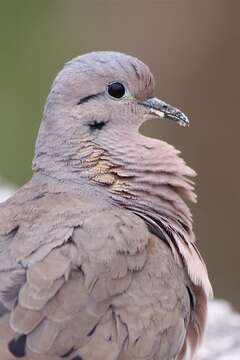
{"x": 116, "y": 89}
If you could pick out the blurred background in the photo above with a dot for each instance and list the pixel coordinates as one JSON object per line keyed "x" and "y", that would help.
{"x": 193, "y": 49}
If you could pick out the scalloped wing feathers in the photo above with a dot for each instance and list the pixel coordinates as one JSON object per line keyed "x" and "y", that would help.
{"x": 100, "y": 281}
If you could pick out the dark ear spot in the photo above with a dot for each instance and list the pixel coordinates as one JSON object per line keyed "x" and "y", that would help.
{"x": 17, "y": 346}
{"x": 97, "y": 125}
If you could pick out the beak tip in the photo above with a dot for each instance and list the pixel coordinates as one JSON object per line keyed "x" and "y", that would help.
{"x": 183, "y": 120}
{"x": 165, "y": 111}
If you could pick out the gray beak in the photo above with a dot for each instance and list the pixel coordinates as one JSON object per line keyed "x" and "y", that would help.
{"x": 160, "y": 108}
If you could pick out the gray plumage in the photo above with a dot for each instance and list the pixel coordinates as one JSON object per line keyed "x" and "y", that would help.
{"x": 97, "y": 255}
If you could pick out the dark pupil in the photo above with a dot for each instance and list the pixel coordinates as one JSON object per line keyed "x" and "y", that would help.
{"x": 116, "y": 90}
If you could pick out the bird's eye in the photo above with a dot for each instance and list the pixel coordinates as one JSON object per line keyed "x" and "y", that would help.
{"x": 116, "y": 90}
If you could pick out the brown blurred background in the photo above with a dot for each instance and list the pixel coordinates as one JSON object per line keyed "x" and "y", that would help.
{"x": 193, "y": 49}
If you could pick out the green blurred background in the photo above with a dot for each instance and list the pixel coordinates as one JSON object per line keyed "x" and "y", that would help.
{"x": 193, "y": 49}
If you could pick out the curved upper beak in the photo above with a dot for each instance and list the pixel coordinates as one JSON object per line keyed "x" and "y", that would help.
{"x": 160, "y": 108}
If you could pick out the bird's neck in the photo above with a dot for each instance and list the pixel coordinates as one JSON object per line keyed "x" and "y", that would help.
{"x": 148, "y": 176}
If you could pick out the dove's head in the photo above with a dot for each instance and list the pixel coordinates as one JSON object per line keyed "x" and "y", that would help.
{"x": 92, "y": 116}
{"x": 101, "y": 90}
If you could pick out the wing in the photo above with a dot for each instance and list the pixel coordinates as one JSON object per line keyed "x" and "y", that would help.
{"x": 103, "y": 288}
{"x": 184, "y": 250}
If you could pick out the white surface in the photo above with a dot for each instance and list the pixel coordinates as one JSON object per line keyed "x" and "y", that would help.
{"x": 222, "y": 338}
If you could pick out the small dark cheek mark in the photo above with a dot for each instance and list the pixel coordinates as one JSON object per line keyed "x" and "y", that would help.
{"x": 77, "y": 358}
